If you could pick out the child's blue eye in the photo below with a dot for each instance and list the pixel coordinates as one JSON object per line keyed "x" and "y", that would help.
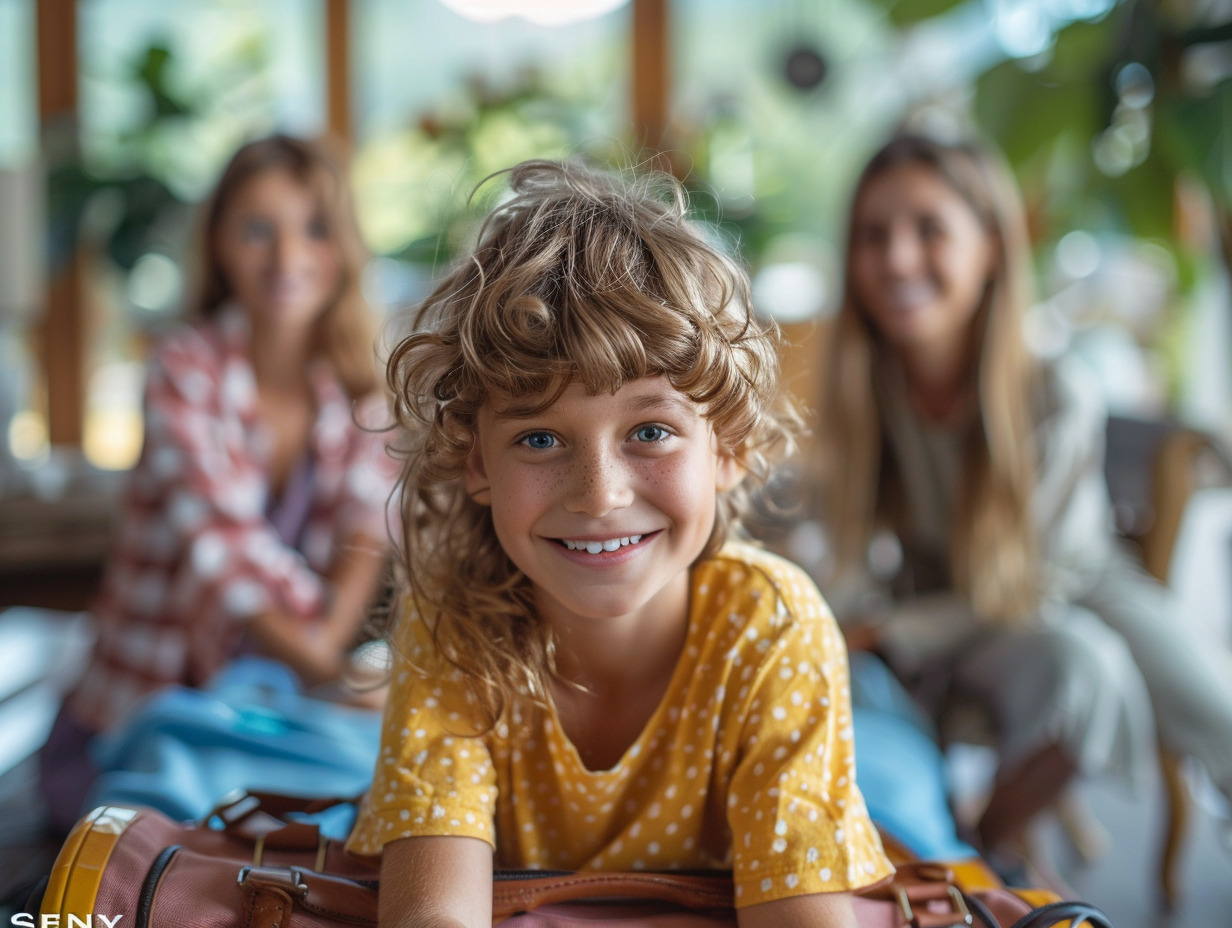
{"x": 650, "y": 433}
{"x": 538, "y": 440}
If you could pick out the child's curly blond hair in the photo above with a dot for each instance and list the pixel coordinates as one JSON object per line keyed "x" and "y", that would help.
{"x": 578, "y": 277}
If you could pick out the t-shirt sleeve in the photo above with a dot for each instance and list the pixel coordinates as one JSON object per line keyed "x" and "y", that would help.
{"x": 798, "y": 822}
{"x": 430, "y": 778}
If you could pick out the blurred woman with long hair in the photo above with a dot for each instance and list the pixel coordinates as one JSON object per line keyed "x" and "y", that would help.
{"x": 254, "y": 520}
{"x": 1006, "y": 587}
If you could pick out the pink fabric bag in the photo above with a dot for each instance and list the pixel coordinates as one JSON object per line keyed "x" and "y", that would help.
{"x": 256, "y": 862}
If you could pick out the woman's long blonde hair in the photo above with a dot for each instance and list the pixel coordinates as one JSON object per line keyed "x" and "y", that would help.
{"x": 346, "y": 331}
{"x": 993, "y": 553}
{"x": 578, "y": 277}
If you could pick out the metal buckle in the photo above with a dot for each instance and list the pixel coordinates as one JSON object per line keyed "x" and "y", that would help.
{"x": 962, "y": 913}
{"x": 286, "y": 878}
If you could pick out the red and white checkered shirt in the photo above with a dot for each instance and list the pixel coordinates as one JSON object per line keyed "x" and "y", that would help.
{"x": 197, "y": 555}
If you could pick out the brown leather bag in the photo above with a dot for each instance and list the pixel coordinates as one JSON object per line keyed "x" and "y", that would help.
{"x": 253, "y": 865}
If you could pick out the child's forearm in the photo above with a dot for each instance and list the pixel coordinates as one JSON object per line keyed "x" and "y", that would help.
{"x": 436, "y": 882}
{"x": 419, "y": 907}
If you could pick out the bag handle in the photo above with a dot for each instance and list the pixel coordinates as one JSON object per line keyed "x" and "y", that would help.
{"x": 916, "y": 900}
{"x": 699, "y": 892}
{"x": 274, "y": 891}
{"x": 262, "y": 818}
{"x": 239, "y": 803}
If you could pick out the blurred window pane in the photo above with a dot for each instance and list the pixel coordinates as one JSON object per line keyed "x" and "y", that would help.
{"x": 18, "y": 110}
{"x": 176, "y": 86}
{"x": 444, "y": 101}
{"x": 779, "y": 101}
{"x": 419, "y": 57}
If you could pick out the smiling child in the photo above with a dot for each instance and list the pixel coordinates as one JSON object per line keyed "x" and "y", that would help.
{"x": 590, "y": 674}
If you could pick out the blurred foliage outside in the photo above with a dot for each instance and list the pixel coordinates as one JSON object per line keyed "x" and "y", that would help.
{"x": 414, "y": 185}
{"x": 1123, "y": 129}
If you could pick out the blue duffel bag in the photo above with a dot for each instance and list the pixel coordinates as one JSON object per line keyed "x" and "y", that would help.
{"x": 251, "y": 729}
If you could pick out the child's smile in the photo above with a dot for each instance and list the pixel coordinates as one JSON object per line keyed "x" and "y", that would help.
{"x": 595, "y": 547}
{"x": 605, "y": 501}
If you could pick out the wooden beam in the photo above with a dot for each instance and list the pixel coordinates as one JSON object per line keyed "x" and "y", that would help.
{"x": 651, "y": 75}
{"x": 57, "y": 57}
{"x": 338, "y": 69}
{"x": 63, "y": 334}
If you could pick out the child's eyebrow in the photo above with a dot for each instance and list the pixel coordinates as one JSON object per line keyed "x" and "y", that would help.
{"x": 516, "y": 410}
{"x": 656, "y": 402}
{"x": 648, "y": 403}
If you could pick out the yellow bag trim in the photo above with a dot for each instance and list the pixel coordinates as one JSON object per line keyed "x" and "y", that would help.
{"x": 72, "y": 887}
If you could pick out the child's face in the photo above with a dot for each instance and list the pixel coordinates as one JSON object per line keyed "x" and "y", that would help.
{"x": 602, "y": 501}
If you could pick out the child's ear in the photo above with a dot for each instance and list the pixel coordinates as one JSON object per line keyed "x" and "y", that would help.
{"x": 475, "y": 476}
{"x": 728, "y": 472}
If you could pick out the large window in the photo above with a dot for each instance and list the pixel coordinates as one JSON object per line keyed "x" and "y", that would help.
{"x": 773, "y": 106}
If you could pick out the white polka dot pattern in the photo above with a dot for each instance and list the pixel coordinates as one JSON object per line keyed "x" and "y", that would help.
{"x": 743, "y": 765}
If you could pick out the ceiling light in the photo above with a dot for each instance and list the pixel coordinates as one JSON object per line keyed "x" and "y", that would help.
{"x": 540, "y": 12}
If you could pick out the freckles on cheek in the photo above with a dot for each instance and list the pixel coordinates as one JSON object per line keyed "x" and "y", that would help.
{"x": 676, "y": 478}
{"x": 518, "y": 490}
{"x": 651, "y": 473}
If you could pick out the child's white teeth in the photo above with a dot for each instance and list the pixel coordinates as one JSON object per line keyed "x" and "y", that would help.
{"x": 596, "y": 547}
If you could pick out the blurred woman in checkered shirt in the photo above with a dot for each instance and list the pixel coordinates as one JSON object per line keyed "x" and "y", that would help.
{"x": 254, "y": 520}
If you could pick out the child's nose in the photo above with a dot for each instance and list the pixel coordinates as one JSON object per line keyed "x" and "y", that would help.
{"x": 598, "y": 484}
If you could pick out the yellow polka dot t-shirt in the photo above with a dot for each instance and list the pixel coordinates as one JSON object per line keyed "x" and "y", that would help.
{"x": 746, "y": 763}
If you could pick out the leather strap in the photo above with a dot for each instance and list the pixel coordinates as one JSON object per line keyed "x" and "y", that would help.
{"x": 691, "y": 891}
{"x": 920, "y": 895}
{"x": 270, "y": 907}
{"x": 262, "y": 817}
{"x": 336, "y": 898}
